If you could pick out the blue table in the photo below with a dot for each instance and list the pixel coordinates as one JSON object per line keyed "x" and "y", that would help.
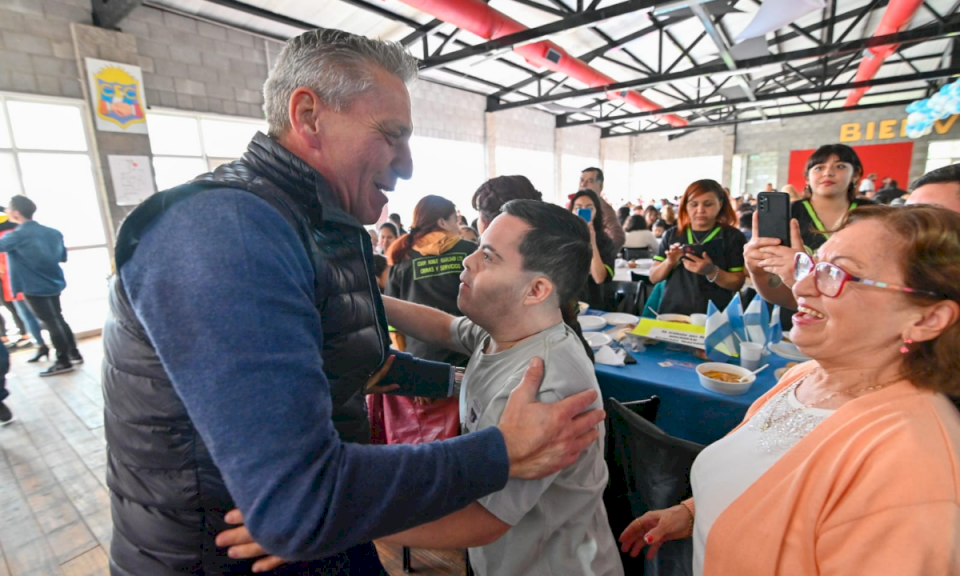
{"x": 687, "y": 409}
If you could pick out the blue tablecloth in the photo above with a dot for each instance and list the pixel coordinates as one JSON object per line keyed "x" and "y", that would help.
{"x": 687, "y": 409}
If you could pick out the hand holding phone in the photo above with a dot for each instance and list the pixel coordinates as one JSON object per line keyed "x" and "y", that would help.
{"x": 773, "y": 216}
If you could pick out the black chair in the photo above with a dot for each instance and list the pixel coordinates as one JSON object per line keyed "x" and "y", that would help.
{"x": 624, "y": 296}
{"x": 636, "y": 253}
{"x": 649, "y": 470}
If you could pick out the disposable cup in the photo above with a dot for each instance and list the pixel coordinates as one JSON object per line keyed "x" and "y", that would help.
{"x": 750, "y": 355}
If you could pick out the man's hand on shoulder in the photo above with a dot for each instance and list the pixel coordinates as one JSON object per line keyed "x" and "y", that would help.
{"x": 542, "y": 439}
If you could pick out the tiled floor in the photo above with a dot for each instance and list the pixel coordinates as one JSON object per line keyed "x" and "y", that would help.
{"x": 54, "y": 506}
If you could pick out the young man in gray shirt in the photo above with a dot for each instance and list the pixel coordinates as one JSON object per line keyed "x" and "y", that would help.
{"x": 532, "y": 258}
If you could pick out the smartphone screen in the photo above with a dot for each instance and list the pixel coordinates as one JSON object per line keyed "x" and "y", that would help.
{"x": 773, "y": 215}
{"x": 585, "y": 213}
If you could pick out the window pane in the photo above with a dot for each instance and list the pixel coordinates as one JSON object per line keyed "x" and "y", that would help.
{"x": 228, "y": 139}
{"x": 616, "y": 182}
{"x": 669, "y": 179}
{"x": 4, "y": 130}
{"x": 84, "y": 301}
{"x": 449, "y": 168}
{"x": 934, "y": 163}
{"x": 62, "y": 185}
{"x": 535, "y": 165}
{"x": 176, "y": 135}
{"x": 9, "y": 180}
{"x": 40, "y": 126}
{"x": 172, "y": 172}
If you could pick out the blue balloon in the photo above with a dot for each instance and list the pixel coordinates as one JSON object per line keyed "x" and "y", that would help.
{"x": 913, "y": 107}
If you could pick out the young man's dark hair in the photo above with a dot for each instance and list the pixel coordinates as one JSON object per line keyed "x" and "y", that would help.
{"x": 597, "y": 170}
{"x": 23, "y": 205}
{"x": 558, "y": 246}
{"x": 946, "y": 175}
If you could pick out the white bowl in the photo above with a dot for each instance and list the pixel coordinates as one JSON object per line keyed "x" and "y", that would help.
{"x": 726, "y": 388}
{"x": 592, "y": 323}
{"x": 618, "y": 318}
{"x": 683, "y": 318}
{"x": 597, "y": 340}
{"x": 583, "y": 306}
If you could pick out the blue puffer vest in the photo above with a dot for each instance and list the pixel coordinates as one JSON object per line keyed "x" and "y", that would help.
{"x": 168, "y": 497}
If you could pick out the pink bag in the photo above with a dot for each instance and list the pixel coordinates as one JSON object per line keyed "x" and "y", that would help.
{"x": 402, "y": 420}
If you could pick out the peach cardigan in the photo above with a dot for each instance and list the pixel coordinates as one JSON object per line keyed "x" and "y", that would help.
{"x": 873, "y": 490}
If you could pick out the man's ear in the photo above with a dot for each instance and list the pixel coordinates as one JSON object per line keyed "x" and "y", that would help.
{"x": 539, "y": 289}
{"x": 306, "y": 111}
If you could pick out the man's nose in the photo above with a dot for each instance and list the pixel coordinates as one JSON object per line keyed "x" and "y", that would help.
{"x": 403, "y": 162}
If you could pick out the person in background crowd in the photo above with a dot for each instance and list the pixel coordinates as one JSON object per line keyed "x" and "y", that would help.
{"x": 374, "y": 237}
{"x": 532, "y": 261}
{"x": 651, "y": 215}
{"x": 868, "y": 185}
{"x": 746, "y": 225}
{"x": 265, "y": 261}
{"x": 831, "y": 172}
{"x": 34, "y": 254}
{"x": 6, "y": 415}
{"x": 388, "y": 235}
{"x": 425, "y": 268}
{"x": 623, "y": 213}
{"x": 593, "y": 179}
{"x": 395, "y": 218}
{"x": 381, "y": 270}
{"x": 891, "y": 191}
{"x": 604, "y": 251}
{"x": 668, "y": 215}
{"x": 17, "y": 305}
{"x": 494, "y": 193}
{"x": 794, "y": 195}
{"x": 638, "y": 209}
{"x": 857, "y": 451}
{"x": 638, "y": 236}
{"x": 940, "y": 187}
{"x": 701, "y": 259}
{"x": 469, "y": 234}
{"x": 769, "y": 187}
{"x": 659, "y": 227}
{"x": 462, "y": 221}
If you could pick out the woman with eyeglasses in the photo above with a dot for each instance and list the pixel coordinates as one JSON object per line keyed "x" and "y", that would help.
{"x": 832, "y": 174}
{"x": 850, "y": 464}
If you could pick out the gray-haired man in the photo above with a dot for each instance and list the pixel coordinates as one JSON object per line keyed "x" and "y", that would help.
{"x": 245, "y": 320}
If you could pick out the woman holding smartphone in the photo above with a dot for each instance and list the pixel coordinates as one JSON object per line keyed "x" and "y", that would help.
{"x": 832, "y": 174}
{"x": 701, "y": 259}
{"x": 586, "y": 205}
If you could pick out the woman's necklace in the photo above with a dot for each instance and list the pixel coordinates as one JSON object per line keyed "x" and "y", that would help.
{"x": 780, "y": 427}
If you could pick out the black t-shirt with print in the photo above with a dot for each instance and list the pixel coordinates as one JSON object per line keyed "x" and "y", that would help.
{"x": 687, "y": 292}
{"x": 803, "y": 211}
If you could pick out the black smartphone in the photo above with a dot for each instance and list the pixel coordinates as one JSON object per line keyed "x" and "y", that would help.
{"x": 774, "y": 216}
{"x": 697, "y": 250}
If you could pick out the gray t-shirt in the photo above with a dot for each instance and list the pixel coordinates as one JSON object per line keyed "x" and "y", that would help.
{"x": 559, "y": 523}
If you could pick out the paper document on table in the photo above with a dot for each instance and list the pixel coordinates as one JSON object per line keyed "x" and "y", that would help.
{"x": 675, "y": 332}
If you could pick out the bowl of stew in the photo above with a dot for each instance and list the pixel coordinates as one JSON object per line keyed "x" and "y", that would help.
{"x": 725, "y": 378}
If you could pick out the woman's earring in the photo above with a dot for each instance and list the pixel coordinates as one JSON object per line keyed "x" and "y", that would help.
{"x": 903, "y": 348}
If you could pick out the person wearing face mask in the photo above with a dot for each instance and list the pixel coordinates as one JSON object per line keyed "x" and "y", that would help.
{"x": 388, "y": 235}
{"x": 425, "y": 267}
{"x": 604, "y": 251}
{"x": 832, "y": 173}
{"x": 592, "y": 179}
{"x": 849, "y": 464}
{"x": 701, "y": 258}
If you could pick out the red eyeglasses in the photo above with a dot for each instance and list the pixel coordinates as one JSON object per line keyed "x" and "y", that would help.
{"x": 830, "y": 279}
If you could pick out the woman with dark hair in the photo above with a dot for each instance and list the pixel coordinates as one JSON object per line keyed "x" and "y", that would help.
{"x": 495, "y": 192}
{"x": 651, "y": 215}
{"x": 426, "y": 266}
{"x": 623, "y": 214}
{"x": 702, "y": 257}
{"x": 604, "y": 252}
{"x": 388, "y": 235}
{"x": 638, "y": 236}
{"x": 832, "y": 174}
